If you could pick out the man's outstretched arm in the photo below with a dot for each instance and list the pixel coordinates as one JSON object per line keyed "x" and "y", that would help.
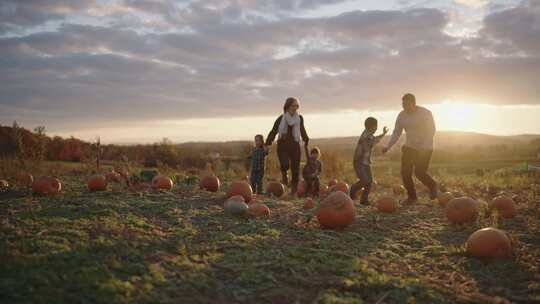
{"x": 398, "y": 129}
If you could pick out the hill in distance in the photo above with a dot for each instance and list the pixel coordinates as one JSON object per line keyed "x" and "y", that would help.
{"x": 443, "y": 139}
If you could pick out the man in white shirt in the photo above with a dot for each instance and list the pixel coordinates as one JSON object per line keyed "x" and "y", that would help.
{"x": 416, "y": 154}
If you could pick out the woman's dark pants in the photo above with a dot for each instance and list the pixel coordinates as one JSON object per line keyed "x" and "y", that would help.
{"x": 289, "y": 157}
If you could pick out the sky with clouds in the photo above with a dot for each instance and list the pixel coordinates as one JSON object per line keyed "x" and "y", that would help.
{"x": 144, "y": 69}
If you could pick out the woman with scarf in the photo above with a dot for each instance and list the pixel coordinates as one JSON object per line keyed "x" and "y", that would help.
{"x": 290, "y": 127}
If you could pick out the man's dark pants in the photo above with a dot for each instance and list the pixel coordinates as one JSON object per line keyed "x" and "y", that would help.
{"x": 417, "y": 161}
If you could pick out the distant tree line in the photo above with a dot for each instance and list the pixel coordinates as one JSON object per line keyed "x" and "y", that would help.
{"x": 18, "y": 142}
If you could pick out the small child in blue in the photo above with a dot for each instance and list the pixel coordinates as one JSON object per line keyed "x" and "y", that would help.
{"x": 258, "y": 155}
{"x": 362, "y": 159}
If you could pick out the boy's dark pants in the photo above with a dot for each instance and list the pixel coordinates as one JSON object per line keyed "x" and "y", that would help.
{"x": 365, "y": 179}
{"x": 289, "y": 153}
{"x": 417, "y": 161}
{"x": 312, "y": 184}
{"x": 256, "y": 180}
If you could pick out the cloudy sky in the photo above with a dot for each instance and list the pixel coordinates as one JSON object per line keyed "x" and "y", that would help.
{"x": 140, "y": 70}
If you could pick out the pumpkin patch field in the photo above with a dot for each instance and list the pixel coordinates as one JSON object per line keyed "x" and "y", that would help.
{"x": 183, "y": 242}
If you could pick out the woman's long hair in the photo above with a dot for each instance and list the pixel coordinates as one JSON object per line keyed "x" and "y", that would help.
{"x": 289, "y": 102}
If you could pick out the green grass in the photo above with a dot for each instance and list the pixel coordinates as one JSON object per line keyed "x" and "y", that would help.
{"x": 180, "y": 247}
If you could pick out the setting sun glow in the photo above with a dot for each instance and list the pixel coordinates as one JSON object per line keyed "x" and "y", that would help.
{"x": 449, "y": 116}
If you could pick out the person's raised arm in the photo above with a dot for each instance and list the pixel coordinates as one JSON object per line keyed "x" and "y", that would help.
{"x": 380, "y": 137}
{"x": 274, "y": 131}
{"x": 303, "y": 132}
{"x": 398, "y": 129}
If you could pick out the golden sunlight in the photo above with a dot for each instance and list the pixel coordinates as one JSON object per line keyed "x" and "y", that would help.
{"x": 449, "y": 116}
{"x": 458, "y": 116}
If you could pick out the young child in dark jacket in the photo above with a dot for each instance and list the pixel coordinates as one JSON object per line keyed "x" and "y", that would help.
{"x": 362, "y": 159}
{"x": 312, "y": 170}
{"x": 258, "y": 155}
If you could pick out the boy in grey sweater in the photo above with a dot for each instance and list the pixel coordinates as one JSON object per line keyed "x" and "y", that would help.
{"x": 362, "y": 159}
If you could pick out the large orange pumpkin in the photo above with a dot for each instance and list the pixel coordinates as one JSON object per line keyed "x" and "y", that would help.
{"x": 489, "y": 243}
{"x": 47, "y": 186}
{"x": 341, "y": 186}
{"x": 275, "y": 188}
{"x": 444, "y": 198}
{"x": 24, "y": 179}
{"x": 336, "y": 211}
{"x": 97, "y": 183}
{"x": 113, "y": 177}
{"x": 505, "y": 206}
{"x": 258, "y": 210}
{"x": 209, "y": 183}
{"x": 462, "y": 210}
{"x": 332, "y": 183}
{"x": 162, "y": 182}
{"x": 387, "y": 204}
{"x": 240, "y": 188}
{"x": 398, "y": 189}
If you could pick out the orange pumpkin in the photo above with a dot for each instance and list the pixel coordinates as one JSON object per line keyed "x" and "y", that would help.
{"x": 309, "y": 204}
{"x": 462, "y": 210}
{"x": 505, "y": 206}
{"x": 47, "y": 186}
{"x": 387, "y": 204}
{"x": 489, "y": 243}
{"x": 444, "y": 198}
{"x": 162, "y": 182}
{"x": 4, "y": 185}
{"x": 398, "y": 189}
{"x": 332, "y": 183}
{"x": 24, "y": 179}
{"x": 341, "y": 186}
{"x": 336, "y": 211}
{"x": 240, "y": 188}
{"x": 97, "y": 183}
{"x": 113, "y": 176}
{"x": 209, "y": 183}
{"x": 275, "y": 188}
{"x": 258, "y": 210}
